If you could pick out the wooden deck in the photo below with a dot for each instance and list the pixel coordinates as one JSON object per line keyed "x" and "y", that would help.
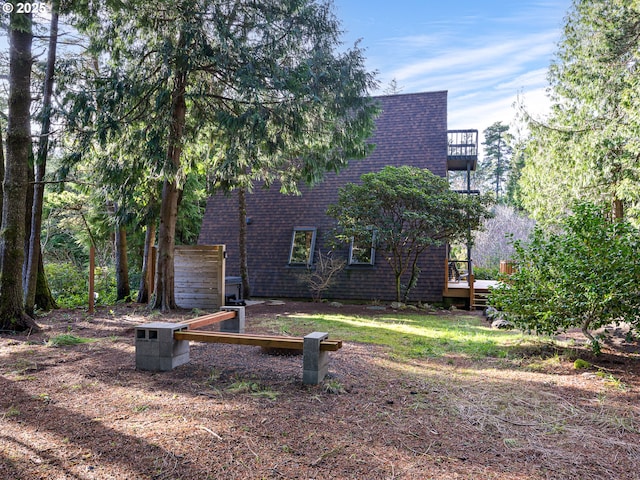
{"x": 461, "y": 289}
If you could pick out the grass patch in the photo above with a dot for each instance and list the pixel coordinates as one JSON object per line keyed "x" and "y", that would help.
{"x": 12, "y": 411}
{"x": 66, "y": 339}
{"x": 333, "y": 386}
{"x": 252, "y": 388}
{"x": 417, "y": 336}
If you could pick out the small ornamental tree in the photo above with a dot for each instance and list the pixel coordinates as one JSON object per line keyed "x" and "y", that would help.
{"x": 406, "y": 210}
{"x": 587, "y": 276}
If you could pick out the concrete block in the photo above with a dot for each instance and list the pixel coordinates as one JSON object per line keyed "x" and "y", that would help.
{"x": 156, "y": 348}
{"x": 234, "y": 325}
{"x": 160, "y": 364}
{"x": 315, "y": 364}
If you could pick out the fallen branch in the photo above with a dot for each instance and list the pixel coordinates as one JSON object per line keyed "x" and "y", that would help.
{"x": 210, "y": 431}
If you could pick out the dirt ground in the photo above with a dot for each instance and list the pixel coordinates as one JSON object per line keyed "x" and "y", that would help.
{"x": 233, "y": 412}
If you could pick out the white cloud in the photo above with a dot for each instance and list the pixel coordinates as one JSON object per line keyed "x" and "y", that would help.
{"x": 515, "y": 52}
{"x": 487, "y": 63}
{"x": 534, "y": 78}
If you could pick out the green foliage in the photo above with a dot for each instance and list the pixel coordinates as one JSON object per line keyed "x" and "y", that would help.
{"x": 333, "y": 386}
{"x": 239, "y": 91}
{"x": 496, "y": 164}
{"x": 581, "y": 364}
{"x": 410, "y": 210}
{"x": 252, "y": 388}
{"x": 486, "y": 273}
{"x": 587, "y": 276}
{"x": 588, "y": 147}
{"x": 69, "y": 284}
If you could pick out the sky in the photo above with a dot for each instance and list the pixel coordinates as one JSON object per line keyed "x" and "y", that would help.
{"x": 486, "y": 53}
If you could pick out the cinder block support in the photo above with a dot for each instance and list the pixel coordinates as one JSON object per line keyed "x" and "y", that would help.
{"x": 156, "y": 348}
{"x": 315, "y": 363}
{"x": 234, "y": 325}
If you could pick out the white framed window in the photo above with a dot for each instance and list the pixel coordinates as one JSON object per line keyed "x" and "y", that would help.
{"x": 362, "y": 249}
{"x": 303, "y": 244}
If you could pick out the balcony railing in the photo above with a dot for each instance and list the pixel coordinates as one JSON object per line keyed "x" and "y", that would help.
{"x": 462, "y": 149}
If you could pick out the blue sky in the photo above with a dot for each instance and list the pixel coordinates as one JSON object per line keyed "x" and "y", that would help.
{"x": 485, "y": 53}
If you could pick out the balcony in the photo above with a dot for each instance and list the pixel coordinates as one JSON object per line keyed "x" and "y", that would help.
{"x": 462, "y": 150}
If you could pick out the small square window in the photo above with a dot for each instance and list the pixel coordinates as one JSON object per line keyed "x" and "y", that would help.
{"x": 362, "y": 250}
{"x": 303, "y": 245}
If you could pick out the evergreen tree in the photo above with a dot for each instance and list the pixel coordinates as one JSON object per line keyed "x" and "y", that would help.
{"x": 36, "y": 289}
{"x": 263, "y": 76}
{"x": 495, "y": 166}
{"x": 588, "y": 148}
{"x": 12, "y": 234}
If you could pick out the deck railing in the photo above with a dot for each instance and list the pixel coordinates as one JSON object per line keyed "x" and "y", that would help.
{"x": 462, "y": 143}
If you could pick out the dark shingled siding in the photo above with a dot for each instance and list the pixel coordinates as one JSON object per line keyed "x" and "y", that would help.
{"x": 411, "y": 130}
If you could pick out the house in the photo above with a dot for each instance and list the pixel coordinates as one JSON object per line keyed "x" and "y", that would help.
{"x": 285, "y": 232}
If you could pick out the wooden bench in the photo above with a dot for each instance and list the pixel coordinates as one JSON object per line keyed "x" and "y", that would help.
{"x": 209, "y": 319}
{"x": 163, "y": 346}
{"x": 266, "y": 341}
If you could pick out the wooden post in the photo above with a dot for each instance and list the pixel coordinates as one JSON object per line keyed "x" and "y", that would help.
{"x": 471, "y": 291}
{"x": 222, "y": 272}
{"x": 446, "y": 275}
{"x": 92, "y": 268}
{"x": 151, "y": 270}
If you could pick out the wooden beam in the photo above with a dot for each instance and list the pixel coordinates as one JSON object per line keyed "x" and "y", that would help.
{"x": 269, "y": 341}
{"x": 209, "y": 319}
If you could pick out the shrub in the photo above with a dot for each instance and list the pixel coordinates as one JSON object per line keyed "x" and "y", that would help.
{"x": 320, "y": 276}
{"x": 587, "y": 276}
{"x": 70, "y": 284}
{"x": 486, "y": 273}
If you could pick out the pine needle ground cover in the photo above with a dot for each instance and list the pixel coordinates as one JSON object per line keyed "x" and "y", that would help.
{"x": 412, "y": 396}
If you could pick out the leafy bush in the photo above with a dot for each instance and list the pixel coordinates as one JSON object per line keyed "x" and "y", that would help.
{"x": 70, "y": 284}
{"x": 410, "y": 210}
{"x": 587, "y": 276}
{"x": 486, "y": 273}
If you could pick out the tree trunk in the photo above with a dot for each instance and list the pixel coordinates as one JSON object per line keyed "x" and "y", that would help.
{"x": 618, "y": 209}
{"x": 242, "y": 242}
{"x": 145, "y": 280}
{"x": 413, "y": 279}
{"x": 27, "y": 222}
{"x": 164, "y": 292}
{"x": 123, "y": 290}
{"x": 12, "y": 235}
{"x": 1, "y": 172}
{"x": 164, "y": 288}
{"x": 34, "y": 276}
{"x": 1, "y": 189}
{"x": 43, "y": 299}
{"x": 398, "y": 287}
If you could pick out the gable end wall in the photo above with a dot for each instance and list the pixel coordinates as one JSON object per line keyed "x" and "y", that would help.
{"x": 411, "y": 130}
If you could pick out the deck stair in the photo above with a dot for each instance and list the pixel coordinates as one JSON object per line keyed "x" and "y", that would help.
{"x": 480, "y": 299}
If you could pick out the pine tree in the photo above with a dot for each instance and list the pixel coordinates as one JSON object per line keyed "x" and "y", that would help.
{"x": 262, "y": 78}
{"x": 12, "y": 235}
{"x": 496, "y": 164}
